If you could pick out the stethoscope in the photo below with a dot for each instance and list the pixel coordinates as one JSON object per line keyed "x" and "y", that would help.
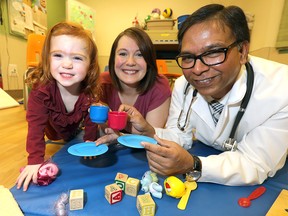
{"x": 229, "y": 144}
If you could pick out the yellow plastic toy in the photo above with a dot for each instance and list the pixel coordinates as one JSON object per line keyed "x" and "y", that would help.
{"x": 174, "y": 187}
{"x": 167, "y": 13}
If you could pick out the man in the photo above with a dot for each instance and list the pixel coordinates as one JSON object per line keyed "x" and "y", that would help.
{"x": 214, "y": 46}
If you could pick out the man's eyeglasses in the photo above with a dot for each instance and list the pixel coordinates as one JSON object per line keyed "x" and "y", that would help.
{"x": 209, "y": 58}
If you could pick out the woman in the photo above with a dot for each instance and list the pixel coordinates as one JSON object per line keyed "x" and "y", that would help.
{"x": 133, "y": 79}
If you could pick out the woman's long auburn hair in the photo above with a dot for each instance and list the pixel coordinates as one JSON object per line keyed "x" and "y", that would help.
{"x": 41, "y": 75}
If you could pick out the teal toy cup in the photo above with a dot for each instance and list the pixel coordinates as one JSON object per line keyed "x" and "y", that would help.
{"x": 99, "y": 114}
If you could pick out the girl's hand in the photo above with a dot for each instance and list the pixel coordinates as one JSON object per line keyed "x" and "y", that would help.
{"x": 110, "y": 137}
{"x": 28, "y": 174}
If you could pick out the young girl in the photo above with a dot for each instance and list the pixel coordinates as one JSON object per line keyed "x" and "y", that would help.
{"x": 133, "y": 79}
{"x": 64, "y": 85}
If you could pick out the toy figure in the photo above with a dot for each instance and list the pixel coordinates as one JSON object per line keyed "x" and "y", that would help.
{"x": 156, "y": 10}
{"x": 135, "y": 22}
{"x": 47, "y": 173}
{"x": 167, "y": 13}
{"x": 150, "y": 184}
{"x": 174, "y": 187}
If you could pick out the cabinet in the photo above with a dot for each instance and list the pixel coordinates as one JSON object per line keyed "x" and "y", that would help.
{"x": 166, "y": 46}
{"x": 172, "y": 66}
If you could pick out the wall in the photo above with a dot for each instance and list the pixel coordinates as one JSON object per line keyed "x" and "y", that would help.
{"x": 113, "y": 16}
{"x": 13, "y": 46}
{"x": 56, "y": 10}
{"x": 117, "y": 16}
{"x": 12, "y": 51}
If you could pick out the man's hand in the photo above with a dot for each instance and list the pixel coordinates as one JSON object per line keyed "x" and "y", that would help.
{"x": 168, "y": 158}
{"x": 136, "y": 122}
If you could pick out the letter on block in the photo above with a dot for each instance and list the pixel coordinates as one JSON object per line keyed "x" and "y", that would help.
{"x": 145, "y": 205}
{"x": 132, "y": 186}
{"x": 113, "y": 193}
{"x": 76, "y": 199}
{"x": 121, "y": 179}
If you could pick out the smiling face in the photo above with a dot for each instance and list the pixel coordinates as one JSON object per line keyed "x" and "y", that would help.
{"x": 215, "y": 81}
{"x": 69, "y": 60}
{"x": 130, "y": 65}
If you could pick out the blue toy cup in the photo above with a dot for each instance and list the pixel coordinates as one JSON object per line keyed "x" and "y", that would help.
{"x": 181, "y": 19}
{"x": 99, "y": 114}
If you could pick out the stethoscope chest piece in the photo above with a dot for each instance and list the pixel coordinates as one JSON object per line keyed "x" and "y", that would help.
{"x": 230, "y": 144}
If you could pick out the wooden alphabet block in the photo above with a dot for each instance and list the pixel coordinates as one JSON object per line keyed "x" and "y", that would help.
{"x": 132, "y": 186}
{"x": 145, "y": 205}
{"x": 121, "y": 179}
{"x": 113, "y": 193}
{"x": 279, "y": 207}
{"x": 76, "y": 199}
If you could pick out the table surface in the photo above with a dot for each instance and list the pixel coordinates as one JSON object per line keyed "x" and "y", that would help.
{"x": 93, "y": 175}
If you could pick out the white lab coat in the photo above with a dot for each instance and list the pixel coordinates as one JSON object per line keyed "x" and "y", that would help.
{"x": 262, "y": 134}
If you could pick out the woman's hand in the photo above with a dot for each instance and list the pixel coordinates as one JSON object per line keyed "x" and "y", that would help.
{"x": 110, "y": 137}
{"x": 28, "y": 174}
